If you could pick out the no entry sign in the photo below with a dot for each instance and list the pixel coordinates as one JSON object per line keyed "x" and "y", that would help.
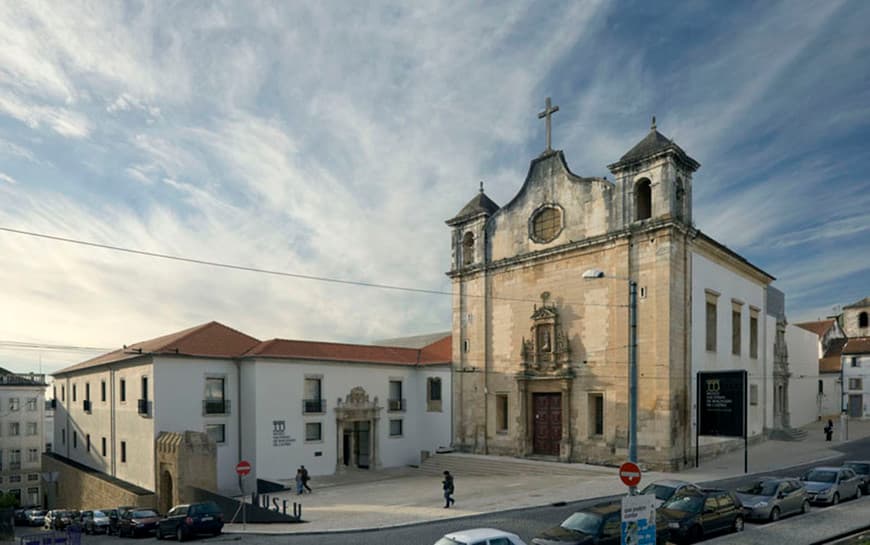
{"x": 243, "y": 468}
{"x": 629, "y": 473}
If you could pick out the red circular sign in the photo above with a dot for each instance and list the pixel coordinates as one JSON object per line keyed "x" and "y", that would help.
{"x": 243, "y": 468}
{"x": 629, "y": 473}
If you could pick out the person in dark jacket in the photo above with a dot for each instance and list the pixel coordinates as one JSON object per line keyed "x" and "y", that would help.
{"x": 305, "y": 478}
{"x": 447, "y": 485}
{"x": 829, "y": 430}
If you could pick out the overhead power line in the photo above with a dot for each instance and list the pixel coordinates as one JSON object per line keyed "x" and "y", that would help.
{"x": 258, "y": 270}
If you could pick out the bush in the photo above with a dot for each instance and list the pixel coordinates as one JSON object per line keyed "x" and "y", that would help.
{"x": 7, "y": 500}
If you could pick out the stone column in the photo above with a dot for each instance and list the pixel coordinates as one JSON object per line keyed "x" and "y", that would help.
{"x": 522, "y": 436}
{"x": 567, "y": 442}
{"x": 373, "y": 441}
{"x": 339, "y": 459}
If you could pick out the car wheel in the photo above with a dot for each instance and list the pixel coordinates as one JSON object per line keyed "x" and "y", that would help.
{"x": 738, "y": 524}
{"x": 857, "y": 492}
{"x": 774, "y": 514}
{"x": 836, "y": 499}
{"x": 805, "y": 507}
{"x": 179, "y": 534}
{"x": 217, "y": 532}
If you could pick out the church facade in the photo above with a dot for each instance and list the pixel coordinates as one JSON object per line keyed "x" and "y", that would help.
{"x": 540, "y": 313}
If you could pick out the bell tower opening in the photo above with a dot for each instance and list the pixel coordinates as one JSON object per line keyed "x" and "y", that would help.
{"x": 643, "y": 200}
{"x": 468, "y": 249}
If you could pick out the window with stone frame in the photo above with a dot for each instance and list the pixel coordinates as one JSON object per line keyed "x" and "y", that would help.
{"x": 217, "y": 433}
{"x": 753, "y": 394}
{"x": 596, "y": 415}
{"x": 545, "y": 341}
{"x": 863, "y": 320}
{"x": 643, "y": 200}
{"x": 546, "y": 224}
{"x": 468, "y": 249}
{"x": 433, "y": 394}
{"x": 711, "y": 309}
{"x": 736, "y": 316}
{"x": 31, "y": 404}
{"x": 502, "y": 418}
{"x": 396, "y": 427}
{"x": 313, "y": 432}
{"x": 753, "y": 334}
{"x": 14, "y": 429}
{"x": 856, "y": 384}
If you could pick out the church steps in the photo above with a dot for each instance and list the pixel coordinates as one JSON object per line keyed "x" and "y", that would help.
{"x": 471, "y": 465}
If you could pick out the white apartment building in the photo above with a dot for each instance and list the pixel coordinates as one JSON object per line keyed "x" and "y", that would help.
{"x": 277, "y": 404}
{"x": 22, "y": 409}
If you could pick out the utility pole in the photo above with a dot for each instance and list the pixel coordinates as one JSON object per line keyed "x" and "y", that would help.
{"x": 632, "y": 373}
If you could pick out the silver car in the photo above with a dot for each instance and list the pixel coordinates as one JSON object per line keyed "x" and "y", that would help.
{"x": 772, "y": 497}
{"x": 829, "y": 485}
{"x": 667, "y": 489}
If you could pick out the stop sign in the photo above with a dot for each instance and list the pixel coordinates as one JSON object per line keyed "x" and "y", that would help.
{"x": 243, "y": 468}
{"x": 629, "y": 473}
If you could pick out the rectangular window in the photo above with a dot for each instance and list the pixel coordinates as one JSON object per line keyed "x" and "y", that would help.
{"x": 217, "y": 433}
{"x": 596, "y": 415}
{"x": 395, "y": 401}
{"x": 31, "y": 403}
{"x": 856, "y": 384}
{"x": 33, "y": 477}
{"x": 313, "y": 431}
{"x": 103, "y": 390}
{"x": 215, "y": 396}
{"x": 32, "y": 455}
{"x": 735, "y": 331}
{"x": 753, "y": 394}
{"x": 1, "y": 463}
{"x": 62, "y": 437}
{"x": 14, "y": 479}
{"x": 88, "y": 443}
{"x": 33, "y": 494}
{"x": 312, "y": 401}
{"x": 396, "y": 427}
{"x": 87, "y": 391}
{"x": 433, "y": 394}
{"x": 821, "y": 387}
{"x": 13, "y": 404}
{"x": 123, "y": 452}
{"x": 854, "y": 362}
{"x": 501, "y": 413}
{"x": 75, "y": 392}
{"x": 122, "y": 388}
{"x": 711, "y": 326}
{"x": 75, "y": 439}
{"x": 15, "y": 459}
{"x": 62, "y": 393}
{"x": 144, "y": 388}
{"x": 103, "y": 445}
{"x": 14, "y": 429}
{"x": 753, "y": 335}
{"x": 32, "y": 428}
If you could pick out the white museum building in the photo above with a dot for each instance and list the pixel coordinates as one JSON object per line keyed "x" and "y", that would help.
{"x": 277, "y": 404}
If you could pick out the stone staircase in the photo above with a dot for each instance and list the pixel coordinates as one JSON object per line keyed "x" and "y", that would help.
{"x": 484, "y": 466}
{"x": 789, "y": 434}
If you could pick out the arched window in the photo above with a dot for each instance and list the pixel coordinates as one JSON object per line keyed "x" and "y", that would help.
{"x": 862, "y": 320}
{"x": 468, "y": 249}
{"x": 679, "y": 194}
{"x": 643, "y": 200}
{"x": 546, "y": 224}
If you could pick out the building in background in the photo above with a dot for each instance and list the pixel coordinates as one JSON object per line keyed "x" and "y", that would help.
{"x": 22, "y": 413}
{"x": 856, "y": 359}
{"x": 830, "y": 342}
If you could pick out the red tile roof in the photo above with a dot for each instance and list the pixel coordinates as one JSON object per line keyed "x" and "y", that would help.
{"x": 830, "y": 365}
{"x": 856, "y": 346}
{"x": 435, "y": 353}
{"x": 819, "y": 327}
{"x": 207, "y": 340}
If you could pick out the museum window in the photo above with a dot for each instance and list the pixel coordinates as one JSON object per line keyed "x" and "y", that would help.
{"x": 753, "y": 394}
{"x": 546, "y": 224}
{"x": 643, "y": 200}
{"x": 863, "y": 320}
{"x": 13, "y": 404}
{"x": 103, "y": 446}
{"x": 468, "y": 249}
{"x": 596, "y": 415}
{"x": 216, "y": 432}
{"x": 736, "y": 316}
{"x": 313, "y": 432}
{"x": 711, "y": 325}
{"x": 103, "y": 390}
{"x": 433, "y": 394}
{"x": 313, "y": 402}
{"x": 215, "y": 401}
{"x": 122, "y": 388}
{"x": 123, "y": 452}
{"x": 856, "y": 384}
{"x": 501, "y": 413}
{"x": 396, "y": 427}
{"x": 753, "y": 334}
{"x": 395, "y": 402}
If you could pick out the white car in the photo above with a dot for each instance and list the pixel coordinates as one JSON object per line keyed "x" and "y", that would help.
{"x": 481, "y": 536}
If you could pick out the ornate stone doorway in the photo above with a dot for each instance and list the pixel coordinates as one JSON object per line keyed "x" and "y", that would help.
{"x": 546, "y": 423}
{"x": 357, "y": 424}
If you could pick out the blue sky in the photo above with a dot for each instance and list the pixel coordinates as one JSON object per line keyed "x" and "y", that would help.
{"x": 334, "y": 139}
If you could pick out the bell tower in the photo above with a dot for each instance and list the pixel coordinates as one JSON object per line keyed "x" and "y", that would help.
{"x": 468, "y": 237}
{"x": 654, "y": 181}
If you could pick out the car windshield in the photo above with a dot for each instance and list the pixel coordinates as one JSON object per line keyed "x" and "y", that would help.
{"x": 762, "y": 488}
{"x": 447, "y": 541}
{"x": 862, "y": 469}
{"x": 587, "y": 523}
{"x": 99, "y": 514}
{"x": 689, "y": 503}
{"x": 822, "y": 476}
{"x": 661, "y": 491}
{"x": 143, "y": 514}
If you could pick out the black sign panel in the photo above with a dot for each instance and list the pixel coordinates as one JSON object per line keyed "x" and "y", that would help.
{"x": 722, "y": 403}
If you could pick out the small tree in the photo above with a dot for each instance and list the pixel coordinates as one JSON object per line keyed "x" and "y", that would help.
{"x": 7, "y": 500}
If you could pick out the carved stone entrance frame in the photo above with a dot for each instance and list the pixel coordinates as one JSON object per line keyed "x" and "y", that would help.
{"x": 357, "y": 407}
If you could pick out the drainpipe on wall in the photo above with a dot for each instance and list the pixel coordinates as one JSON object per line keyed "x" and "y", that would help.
{"x": 112, "y": 467}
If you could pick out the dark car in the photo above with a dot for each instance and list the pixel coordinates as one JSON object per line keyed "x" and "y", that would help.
{"x": 693, "y": 515}
{"x": 138, "y": 522}
{"x": 188, "y": 520}
{"x": 862, "y": 469}
{"x": 597, "y": 525}
{"x": 115, "y": 517}
{"x": 58, "y": 519}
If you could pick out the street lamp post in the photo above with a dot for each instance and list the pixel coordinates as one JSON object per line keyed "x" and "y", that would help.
{"x": 632, "y": 362}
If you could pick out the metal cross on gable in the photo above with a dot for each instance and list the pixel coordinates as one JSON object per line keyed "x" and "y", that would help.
{"x": 547, "y": 113}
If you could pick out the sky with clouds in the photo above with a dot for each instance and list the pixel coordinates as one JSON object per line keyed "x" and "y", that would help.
{"x": 334, "y": 139}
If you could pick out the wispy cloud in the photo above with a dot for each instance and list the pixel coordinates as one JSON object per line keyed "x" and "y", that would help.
{"x": 7, "y": 178}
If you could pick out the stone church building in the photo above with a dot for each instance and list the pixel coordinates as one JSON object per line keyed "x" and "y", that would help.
{"x": 540, "y": 351}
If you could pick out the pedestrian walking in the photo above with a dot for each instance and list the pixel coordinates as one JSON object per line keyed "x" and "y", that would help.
{"x": 300, "y": 483}
{"x": 447, "y": 485}
{"x": 305, "y": 478}
{"x": 829, "y": 430}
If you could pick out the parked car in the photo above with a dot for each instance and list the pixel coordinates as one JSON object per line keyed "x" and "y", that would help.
{"x": 667, "y": 488}
{"x": 829, "y": 485}
{"x": 138, "y": 522}
{"x": 692, "y": 515}
{"x": 772, "y": 497}
{"x": 95, "y": 522}
{"x": 597, "y": 525}
{"x": 188, "y": 520}
{"x": 20, "y": 516}
{"x": 480, "y": 536}
{"x": 58, "y": 519}
{"x": 862, "y": 469}
{"x": 115, "y": 517}
{"x": 35, "y": 517}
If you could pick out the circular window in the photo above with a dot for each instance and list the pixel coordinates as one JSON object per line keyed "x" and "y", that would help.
{"x": 546, "y": 224}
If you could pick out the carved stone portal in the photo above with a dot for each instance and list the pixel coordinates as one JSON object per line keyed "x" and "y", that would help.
{"x": 547, "y": 352}
{"x": 357, "y": 431}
